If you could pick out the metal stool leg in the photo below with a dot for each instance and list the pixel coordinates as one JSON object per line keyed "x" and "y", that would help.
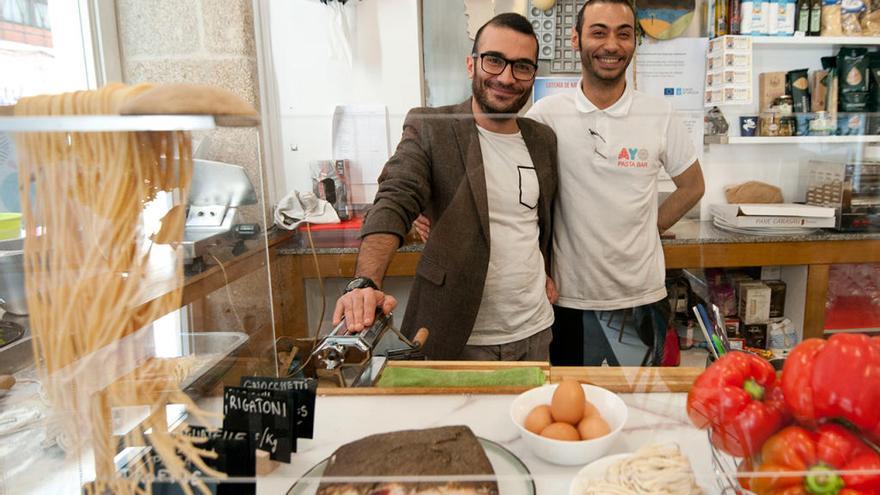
{"x": 624, "y": 315}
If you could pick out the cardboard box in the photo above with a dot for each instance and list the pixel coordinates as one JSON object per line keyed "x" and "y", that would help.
{"x": 818, "y": 90}
{"x": 732, "y": 327}
{"x": 770, "y": 86}
{"x": 755, "y": 335}
{"x": 777, "y": 298}
{"x": 754, "y": 303}
{"x": 773, "y": 215}
{"x": 771, "y": 272}
{"x": 737, "y": 279}
{"x": 737, "y": 95}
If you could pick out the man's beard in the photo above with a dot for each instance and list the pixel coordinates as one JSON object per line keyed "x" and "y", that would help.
{"x": 479, "y": 87}
{"x": 587, "y": 61}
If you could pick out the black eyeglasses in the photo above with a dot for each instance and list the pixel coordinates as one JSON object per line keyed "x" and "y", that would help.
{"x": 493, "y": 63}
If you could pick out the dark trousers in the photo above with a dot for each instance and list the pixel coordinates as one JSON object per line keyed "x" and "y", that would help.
{"x": 651, "y": 324}
{"x": 578, "y": 339}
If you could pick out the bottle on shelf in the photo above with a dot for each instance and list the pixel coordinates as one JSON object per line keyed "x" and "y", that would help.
{"x": 734, "y": 13}
{"x": 721, "y": 25}
{"x": 815, "y": 18}
{"x": 802, "y": 27}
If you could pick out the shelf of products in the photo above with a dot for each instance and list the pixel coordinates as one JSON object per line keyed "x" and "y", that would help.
{"x": 790, "y": 139}
{"x": 816, "y": 40}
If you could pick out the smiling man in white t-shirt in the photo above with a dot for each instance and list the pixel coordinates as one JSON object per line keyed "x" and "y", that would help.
{"x": 613, "y": 141}
{"x": 486, "y": 179}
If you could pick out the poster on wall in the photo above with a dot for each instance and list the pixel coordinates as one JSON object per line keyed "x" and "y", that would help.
{"x": 665, "y": 19}
{"x": 360, "y": 135}
{"x": 546, "y": 86}
{"x": 675, "y": 70}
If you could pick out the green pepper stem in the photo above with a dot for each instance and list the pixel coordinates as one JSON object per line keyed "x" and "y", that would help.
{"x": 822, "y": 480}
{"x": 754, "y": 390}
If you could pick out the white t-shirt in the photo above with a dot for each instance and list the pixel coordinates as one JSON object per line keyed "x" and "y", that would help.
{"x": 514, "y": 304}
{"x": 606, "y": 246}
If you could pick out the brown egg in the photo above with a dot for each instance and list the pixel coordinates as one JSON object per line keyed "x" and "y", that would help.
{"x": 593, "y": 427}
{"x": 567, "y": 405}
{"x": 561, "y": 431}
{"x": 538, "y": 419}
{"x": 590, "y": 409}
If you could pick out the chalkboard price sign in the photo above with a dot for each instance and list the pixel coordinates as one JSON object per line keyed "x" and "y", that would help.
{"x": 304, "y": 390}
{"x": 268, "y": 416}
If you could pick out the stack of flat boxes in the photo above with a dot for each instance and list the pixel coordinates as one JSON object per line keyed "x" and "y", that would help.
{"x": 759, "y": 303}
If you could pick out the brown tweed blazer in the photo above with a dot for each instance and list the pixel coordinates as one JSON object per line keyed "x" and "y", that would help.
{"x": 438, "y": 169}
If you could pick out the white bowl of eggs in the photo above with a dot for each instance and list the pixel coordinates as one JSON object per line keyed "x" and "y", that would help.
{"x": 569, "y": 423}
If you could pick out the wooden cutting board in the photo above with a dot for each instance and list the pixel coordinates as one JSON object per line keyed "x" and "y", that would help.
{"x": 616, "y": 379}
{"x": 630, "y": 380}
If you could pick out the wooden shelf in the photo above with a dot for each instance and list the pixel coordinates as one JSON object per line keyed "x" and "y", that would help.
{"x": 815, "y": 40}
{"x": 790, "y": 139}
{"x": 831, "y": 331}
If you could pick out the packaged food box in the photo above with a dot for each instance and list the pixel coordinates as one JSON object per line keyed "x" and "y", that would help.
{"x": 754, "y": 303}
{"x": 771, "y": 85}
{"x": 755, "y": 335}
{"x": 777, "y": 298}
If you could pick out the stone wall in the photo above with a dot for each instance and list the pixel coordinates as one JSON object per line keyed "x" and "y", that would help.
{"x": 207, "y": 42}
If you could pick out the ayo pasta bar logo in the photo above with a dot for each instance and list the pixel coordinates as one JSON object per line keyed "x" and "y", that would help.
{"x": 632, "y": 158}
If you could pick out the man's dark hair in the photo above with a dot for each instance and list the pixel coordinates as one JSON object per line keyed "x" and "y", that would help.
{"x": 509, "y": 20}
{"x": 628, "y": 3}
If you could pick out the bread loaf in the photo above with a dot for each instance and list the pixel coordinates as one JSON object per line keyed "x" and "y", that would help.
{"x": 445, "y": 451}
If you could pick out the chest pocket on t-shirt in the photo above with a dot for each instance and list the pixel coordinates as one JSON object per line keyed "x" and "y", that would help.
{"x": 528, "y": 187}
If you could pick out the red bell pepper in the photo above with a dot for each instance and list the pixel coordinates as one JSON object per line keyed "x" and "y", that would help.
{"x": 797, "y": 461}
{"x": 739, "y": 399}
{"x": 835, "y": 378}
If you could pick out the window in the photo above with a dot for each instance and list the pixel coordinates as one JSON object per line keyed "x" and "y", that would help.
{"x": 25, "y": 22}
{"x": 45, "y": 47}
{"x": 34, "y": 13}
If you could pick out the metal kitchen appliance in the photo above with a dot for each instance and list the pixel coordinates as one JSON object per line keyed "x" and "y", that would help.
{"x": 851, "y": 187}
{"x": 350, "y": 360}
{"x": 12, "y": 295}
{"x": 217, "y": 190}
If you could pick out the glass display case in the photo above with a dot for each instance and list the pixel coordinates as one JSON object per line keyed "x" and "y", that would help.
{"x": 169, "y": 283}
{"x": 134, "y": 286}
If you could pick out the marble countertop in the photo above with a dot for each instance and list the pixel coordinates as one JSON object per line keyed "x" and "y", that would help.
{"x": 653, "y": 418}
{"x": 688, "y": 232}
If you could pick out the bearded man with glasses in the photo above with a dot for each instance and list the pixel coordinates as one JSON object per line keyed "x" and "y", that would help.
{"x": 486, "y": 180}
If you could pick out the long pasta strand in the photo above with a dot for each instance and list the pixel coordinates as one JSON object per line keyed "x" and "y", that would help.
{"x": 86, "y": 264}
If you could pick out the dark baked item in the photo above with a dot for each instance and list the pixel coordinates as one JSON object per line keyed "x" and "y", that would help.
{"x": 444, "y": 451}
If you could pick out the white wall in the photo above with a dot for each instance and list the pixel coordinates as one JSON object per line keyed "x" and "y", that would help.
{"x": 385, "y": 69}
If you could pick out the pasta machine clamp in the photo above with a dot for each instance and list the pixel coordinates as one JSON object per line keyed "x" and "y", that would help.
{"x": 350, "y": 358}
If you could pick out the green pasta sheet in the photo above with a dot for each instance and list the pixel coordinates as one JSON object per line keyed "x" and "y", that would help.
{"x": 420, "y": 377}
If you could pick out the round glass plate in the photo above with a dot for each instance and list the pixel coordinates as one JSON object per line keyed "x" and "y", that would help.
{"x": 514, "y": 477}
